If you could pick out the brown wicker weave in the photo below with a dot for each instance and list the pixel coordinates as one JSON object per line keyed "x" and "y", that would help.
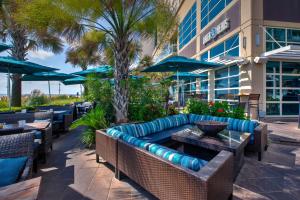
{"x": 46, "y": 144}
{"x": 18, "y": 145}
{"x": 164, "y": 179}
{"x": 260, "y": 140}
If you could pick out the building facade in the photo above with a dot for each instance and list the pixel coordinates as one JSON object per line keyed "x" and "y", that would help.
{"x": 257, "y": 41}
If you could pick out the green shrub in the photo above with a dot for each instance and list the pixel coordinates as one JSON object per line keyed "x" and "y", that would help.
{"x": 197, "y": 107}
{"x": 37, "y": 98}
{"x": 219, "y": 109}
{"x": 238, "y": 113}
{"x": 93, "y": 120}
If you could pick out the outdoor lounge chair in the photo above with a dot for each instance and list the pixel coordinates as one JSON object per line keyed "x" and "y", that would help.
{"x": 46, "y": 135}
{"x": 61, "y": 120}
{"x": 18, "y": 145}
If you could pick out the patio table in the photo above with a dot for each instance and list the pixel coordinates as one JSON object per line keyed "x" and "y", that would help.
{"x": 227, "y": 140}
{"x": 23, "y": 190}
{"x": 28, "y": 126}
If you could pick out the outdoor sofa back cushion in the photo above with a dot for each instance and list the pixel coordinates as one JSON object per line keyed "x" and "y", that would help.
{"x": 135, "y": 141}
{"x": 129, "y": 129}
{"x": 214, "y": 118}
{"x": 195, "y": 118}
{"x": 10, "y": 169}
{"x": 114, "y": 132}
{"x": 180, "y": 119}
{"x": 243, "y": 126}
{"x": 166, "y": 123}
{"x": 147, "y": 128}
{"x": 177, "y": 158}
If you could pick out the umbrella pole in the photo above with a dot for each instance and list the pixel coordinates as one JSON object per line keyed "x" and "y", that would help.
{"x": 8, "y": 90}
{"x": 49, "y": 89}
{"x": 80, "y": 90}
{"x": 178, "y": 95}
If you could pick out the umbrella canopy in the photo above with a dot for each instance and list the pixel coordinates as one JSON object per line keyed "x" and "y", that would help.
{"x": 4, "y": 47}
{"x": 103, "y": 70}
{"x": 47, "y": 76}
{"x": 75, "y": 81}
{"x": 185, "y": 75}
{"x": 11, "y": 65}
{"x": 180, "y": 64}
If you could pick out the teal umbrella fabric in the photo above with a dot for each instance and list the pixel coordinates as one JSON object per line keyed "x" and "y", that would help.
{"x": 4, "y": 47}
{"x": 180, "y": 64}
{"x": 75, "y": 81}
{"x": 102, "y": 70}
{"x": 185, "y": 75}
{"x": 47, "y": 76}
{"x": 11, "y": 65}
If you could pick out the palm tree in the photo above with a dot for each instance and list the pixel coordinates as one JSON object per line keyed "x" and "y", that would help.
{"x": 123, "y": 24}
{"x": 22, "y": 40}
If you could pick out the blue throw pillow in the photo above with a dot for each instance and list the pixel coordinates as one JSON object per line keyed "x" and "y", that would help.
{"x": 10, "y": 169}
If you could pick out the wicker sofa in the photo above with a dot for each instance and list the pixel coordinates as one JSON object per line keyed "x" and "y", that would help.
{"x": 46, "y": 139}
{"x": 18, "y": 145}
{"x": 61, "y": 121}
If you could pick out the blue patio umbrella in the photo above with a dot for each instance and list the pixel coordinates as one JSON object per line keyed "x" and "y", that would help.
{"x": 11, "y": 65}
{"x": 75, "y": 81}
{"x": 184, "y": 75}
{"x": 47, "y": 76}
{"x": 4, "y": 47}
{"x": 180, "y": 64}
{"x": 101, "y": 70}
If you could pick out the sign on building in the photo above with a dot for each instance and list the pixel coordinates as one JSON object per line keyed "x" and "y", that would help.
{"x": 216, "y": 31}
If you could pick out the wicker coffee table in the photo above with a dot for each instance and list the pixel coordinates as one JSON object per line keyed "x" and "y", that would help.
{"x": 232, "y": 141}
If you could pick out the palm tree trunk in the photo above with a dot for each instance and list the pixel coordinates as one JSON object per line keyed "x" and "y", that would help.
{"x": 18, "y": 52}
{"x": 121, "y": 99}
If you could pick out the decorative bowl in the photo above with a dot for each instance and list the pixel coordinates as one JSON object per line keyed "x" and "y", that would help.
{"x": 211, "y": 128}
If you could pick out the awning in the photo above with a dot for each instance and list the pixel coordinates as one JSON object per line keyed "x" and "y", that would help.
{"x": 290, "y": 52}
{"x": 229, "y": 60}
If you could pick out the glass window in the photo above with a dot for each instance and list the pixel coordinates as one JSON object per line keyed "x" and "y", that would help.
{"x": 293, "y": 35}
{"x": 290, "y": 109}
{"x": 290, "y": 68}
{"x": 273, "y": 81}
{"x": 187, "y": 28}
{"x": 291, "y": 81}
{"x": 204, "y": 56}
{"x": 234, "y": 70}
{"x": 210, "y": 9}
{"x": 290, "y": 95}
{"x": 223, "y": 83}
{"x": 273, "y": 109}
{"x": 218, "y": 50}
{"x": 204, "y": 85}
{"x": 234, "y": 82}
{"x": 273, "y": 67}
{"x": 221, "y": 73}
{"x": 273, "y": 95}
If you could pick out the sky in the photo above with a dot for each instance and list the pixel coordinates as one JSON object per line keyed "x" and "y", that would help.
{"x": 50, "y": 60}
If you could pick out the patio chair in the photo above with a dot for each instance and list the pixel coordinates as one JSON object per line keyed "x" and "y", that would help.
{"x": 46, "y": 143}
{"x": 11, "y": 131}
{"x": 18, "y": 145}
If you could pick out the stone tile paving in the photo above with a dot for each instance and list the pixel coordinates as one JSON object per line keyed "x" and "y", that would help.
{"x": 72, "y": 173}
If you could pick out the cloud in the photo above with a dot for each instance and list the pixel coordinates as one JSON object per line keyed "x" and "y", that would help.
{"x": 41, "y": 54}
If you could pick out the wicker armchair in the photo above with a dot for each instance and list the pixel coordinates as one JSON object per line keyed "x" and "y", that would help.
{"x": 46, "y": 144}
{"x": 18, "y": 145}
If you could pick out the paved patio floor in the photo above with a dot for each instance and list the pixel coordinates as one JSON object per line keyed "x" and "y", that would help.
{"x": 72, "y": 173}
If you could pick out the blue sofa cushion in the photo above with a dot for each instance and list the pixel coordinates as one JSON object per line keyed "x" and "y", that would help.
{"x": 38, "y": 135}
{"x": 10, "y": 169}
{"x": 180, "y": 119}
{"x": 114, "y": 133}
{"x": 214, "y": 118}
{"x": 177, "y": 158}
{"x": 135, "y": 141}
{"x": 194, "y": 118}
{"x": 243, "y": 126}
{"x": 166, "y": 123}
{"x": 129, "y": 129}
{"x": 147, "y": 128}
